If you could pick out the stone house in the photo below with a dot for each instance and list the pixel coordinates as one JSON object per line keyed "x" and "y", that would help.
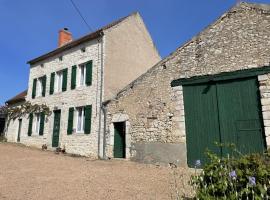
{"x": 74, "y": 79}
{"x": 214, "y": 88}
{"x": 13, "y": 128}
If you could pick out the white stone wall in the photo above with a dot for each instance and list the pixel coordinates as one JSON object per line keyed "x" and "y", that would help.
{"x": 264, "y": 81}
{"x": 83, "y": 144}
{"x": 12, "y": 127}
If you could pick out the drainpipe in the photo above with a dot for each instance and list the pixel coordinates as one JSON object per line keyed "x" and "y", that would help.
{"x": 101, "y": 91}
{"x": 104, "y": 109}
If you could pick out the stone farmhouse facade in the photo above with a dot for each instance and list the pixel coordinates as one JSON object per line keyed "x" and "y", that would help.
{"x": 167, "y": 114}
{"x": 13, "y": 128}
{"x": 76, "y": 78}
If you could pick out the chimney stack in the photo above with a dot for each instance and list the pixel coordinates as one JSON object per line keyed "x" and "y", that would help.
{"x": 64, "y": 37}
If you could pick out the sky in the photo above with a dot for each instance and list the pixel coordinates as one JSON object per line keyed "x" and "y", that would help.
{"x": 29, "y": 28}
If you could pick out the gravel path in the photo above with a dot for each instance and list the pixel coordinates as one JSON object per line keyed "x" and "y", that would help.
{"x": 27, "y": 173}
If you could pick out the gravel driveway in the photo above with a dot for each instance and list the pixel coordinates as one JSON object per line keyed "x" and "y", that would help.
{"x": 27, "y": 173}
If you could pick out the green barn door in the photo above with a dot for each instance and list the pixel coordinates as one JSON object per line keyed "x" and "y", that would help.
{"x": 225, "y": 112}
{"x": 201, "y": 117}
{"x": 119, "y": 140}
{"x": 56, "y": 128}
{"x": 239, "y": 115}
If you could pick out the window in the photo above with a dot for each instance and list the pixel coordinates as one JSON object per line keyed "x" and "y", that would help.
{"x": 82, "y": 73}
{"x": 80, "y": 120}
{"x": 39, "y": 87}
{"x": 58, "y": 81}
{"x": 37, "y": 124}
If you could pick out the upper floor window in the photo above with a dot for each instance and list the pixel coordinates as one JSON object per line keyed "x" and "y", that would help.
{"x": 58, "y": 81}
{"x": 39, "y": 87}
{"x": 82, "y": 75}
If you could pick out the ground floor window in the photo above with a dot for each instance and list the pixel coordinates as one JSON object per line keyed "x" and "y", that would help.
{"x": 80, "y": 119}
{"x": 36, "y": 124}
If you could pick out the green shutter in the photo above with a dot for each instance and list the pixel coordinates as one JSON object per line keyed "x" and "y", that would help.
{"x": 30, "y": 124}
{"x": 88, "y": 116}
{"x": 89, "y": 73}
{"x": 34, "y": 88}
{"x": 52, "y": 83}
{"x": 73, "y": 77}
{"x": 42, "y": 120}
{"x": 70, "y": 121}
{"x": 44, "y": 78}
{"x": 64, "y": 83}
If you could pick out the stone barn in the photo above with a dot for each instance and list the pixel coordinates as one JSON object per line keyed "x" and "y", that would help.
{"x": 214, "y": 88}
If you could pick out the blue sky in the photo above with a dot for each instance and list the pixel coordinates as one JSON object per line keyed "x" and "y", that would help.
{"x": 29, "y": 28}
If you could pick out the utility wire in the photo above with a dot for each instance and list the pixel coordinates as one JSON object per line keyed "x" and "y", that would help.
{"x": 77, "y": 9}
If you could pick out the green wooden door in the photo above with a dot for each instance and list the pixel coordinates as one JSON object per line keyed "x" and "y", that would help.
{"x": 240, "y": 115}
{"x": 19, "y": 130}
{"x": 119, "y": 140}
{"x": 225, "y": 112}
{"x": 202, "y": 126}
{"x": 56, "y": 128}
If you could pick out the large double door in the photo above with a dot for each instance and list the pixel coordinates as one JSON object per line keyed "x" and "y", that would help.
{"x": 227, "y": 112}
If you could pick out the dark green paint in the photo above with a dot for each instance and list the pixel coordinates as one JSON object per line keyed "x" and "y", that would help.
{"x": 44, "y": 79}
{"x": 119, "y": 140}
{"x": 224, "y": 112}
{"x": 30, "y": 124}
{"x": 73, "y": 77}
{"x": 222, "y": 76}
{"x": 52, "y": 83}
{"x": 42, "y": 121}
{"x": 201, "y": 117}
{"x": 70, "y": 121}
{"x": 88, "y": 116}
{"x": 34, "y": 88}
{"x": 56, "y": 128}
{"x": 64, "y": 83}
{"x": 89, "y": 73}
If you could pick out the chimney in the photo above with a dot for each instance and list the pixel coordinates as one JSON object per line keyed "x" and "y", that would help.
{"x": 64, "y": 37}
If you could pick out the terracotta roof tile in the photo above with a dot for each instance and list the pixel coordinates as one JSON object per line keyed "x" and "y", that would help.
{"x": 18, "y": 98}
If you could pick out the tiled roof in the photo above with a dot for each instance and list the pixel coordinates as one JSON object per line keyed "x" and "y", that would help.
{"x": 18, "y": 98}
{"x": 76, "y": 42}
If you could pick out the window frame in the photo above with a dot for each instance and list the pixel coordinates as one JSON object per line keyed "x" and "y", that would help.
{"x": 82, "y": 120}
{"x": 39, "y": 87}
{"x": 58, "y": 85}
{"x": 80, "y": 75}
{"x": 36, "y": 127}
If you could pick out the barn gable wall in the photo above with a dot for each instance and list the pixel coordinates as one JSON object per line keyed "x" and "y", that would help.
{"x": 237, "y": 40}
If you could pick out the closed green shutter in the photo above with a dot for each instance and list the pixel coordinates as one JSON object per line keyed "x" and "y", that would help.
{"x": 88, "y": 116}
{"x": 52, "y": 83}
{"x": 64, "y": 83}
{"x": 89, "y": 73}
{"x": 44, "y": 78}
{"x": 70, "y": 121}
{"x": 42, "y": 120}
{"x": 30, "y": 124}
{"x": 73, "y": 77}
{"x": 34, "y": 88}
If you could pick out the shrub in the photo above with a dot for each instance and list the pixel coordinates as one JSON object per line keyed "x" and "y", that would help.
{"x": 244, "y": 177}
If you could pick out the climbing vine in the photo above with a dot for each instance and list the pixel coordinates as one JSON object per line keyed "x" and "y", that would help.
{"x": 25, "y": 109}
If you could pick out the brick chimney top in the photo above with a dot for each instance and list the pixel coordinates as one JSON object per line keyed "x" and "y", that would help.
{"x": 64, "y": 37}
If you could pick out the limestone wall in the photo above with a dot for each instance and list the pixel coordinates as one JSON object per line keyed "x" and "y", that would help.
{"x": 237, "y": 40}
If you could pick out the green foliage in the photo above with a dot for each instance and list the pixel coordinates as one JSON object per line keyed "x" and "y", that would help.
{"x": 240, "y": 177}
